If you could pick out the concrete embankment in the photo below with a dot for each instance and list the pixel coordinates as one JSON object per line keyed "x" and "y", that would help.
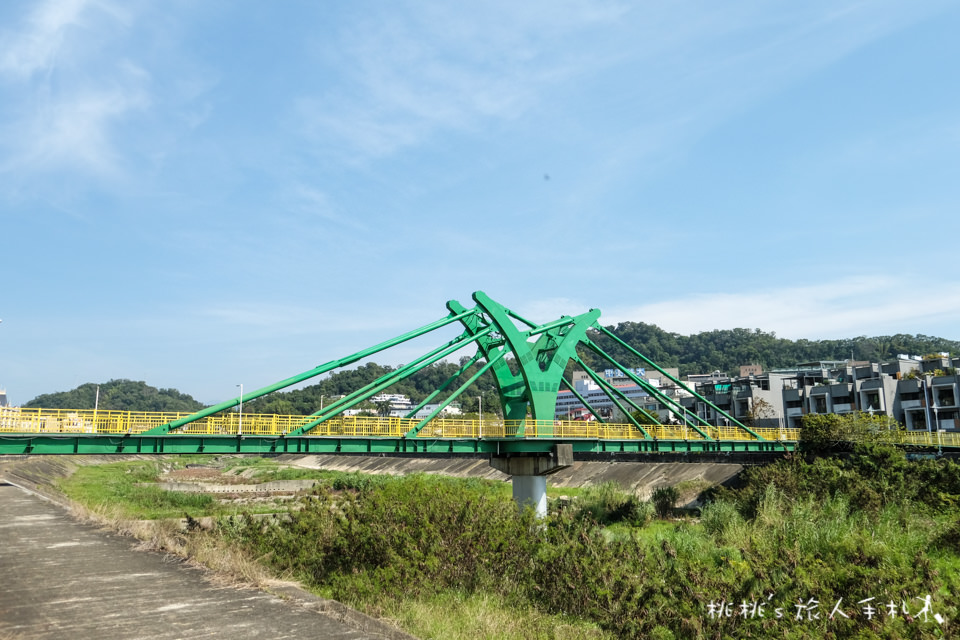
{"x": 639, "y": 477}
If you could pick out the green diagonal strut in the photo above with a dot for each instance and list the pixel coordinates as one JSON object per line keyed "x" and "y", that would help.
{"x": 334, "y": 364}
{"x": 671, "y": 405}
{"x": 612, "y": 393}
{"x": 385, "y": 381}
{"x": 651, "y": 363}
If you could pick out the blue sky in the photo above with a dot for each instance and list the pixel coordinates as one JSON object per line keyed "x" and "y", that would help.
{"x": 200, "y": 194}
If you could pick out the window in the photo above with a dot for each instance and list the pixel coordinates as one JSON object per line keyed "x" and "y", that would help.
{"x": 873, "y": 400}
{"x": 945, "y": 397}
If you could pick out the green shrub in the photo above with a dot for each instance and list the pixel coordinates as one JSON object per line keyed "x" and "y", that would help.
{"x": 664, "y": 500}
{"x": 607, "y": 503}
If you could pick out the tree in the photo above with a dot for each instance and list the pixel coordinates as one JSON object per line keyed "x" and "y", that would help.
{"x": 822, "y": 433}
{"x": 759, "y": 410}
{"x": 644, "y": 419}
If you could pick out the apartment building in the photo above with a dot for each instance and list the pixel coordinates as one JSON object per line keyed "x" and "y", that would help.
{"x": 755, "y": 398}
{"x": 920, "y": 393}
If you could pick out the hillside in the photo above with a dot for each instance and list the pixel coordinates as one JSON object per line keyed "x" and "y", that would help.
{"x": 118, "y": 395}
{"x": 725, "y": 350}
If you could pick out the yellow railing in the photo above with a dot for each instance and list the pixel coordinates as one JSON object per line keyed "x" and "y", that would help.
{"x": 20, "y": 420}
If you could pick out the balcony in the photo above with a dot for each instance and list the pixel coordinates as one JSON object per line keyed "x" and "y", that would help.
{"x": 844, "y": 407}
{"x": 794, "y": 411}
{"x": 911, "y": 404}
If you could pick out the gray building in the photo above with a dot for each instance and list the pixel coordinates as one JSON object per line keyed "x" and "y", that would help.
{"x": 920, "y": 393}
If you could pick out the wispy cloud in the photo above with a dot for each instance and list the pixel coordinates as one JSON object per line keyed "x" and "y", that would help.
{"x": 66, "y": 90}
{"x": 313, "y": 204}
{"x": 74, "y": 131}
{"x": 34, "y": 47}
{"x": 424, "y": 70}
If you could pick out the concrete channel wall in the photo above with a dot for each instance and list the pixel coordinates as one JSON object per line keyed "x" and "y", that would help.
{"x": 40, "y": 473}
{"x": 640, "y": 477}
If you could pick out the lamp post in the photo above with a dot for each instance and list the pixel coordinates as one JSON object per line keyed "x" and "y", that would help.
{"x": 240, "y": 425}
{"x": 480, "y": 412}
{"x": 936, "y": 424}
{"x": 321, "y": 402}
{"x": 96, "y": 405}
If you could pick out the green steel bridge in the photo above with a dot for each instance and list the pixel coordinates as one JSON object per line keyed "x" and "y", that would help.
{"x": 526, "y": 360}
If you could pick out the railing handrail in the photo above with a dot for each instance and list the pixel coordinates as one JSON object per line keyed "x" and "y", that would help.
{"x": 73, "y": 421}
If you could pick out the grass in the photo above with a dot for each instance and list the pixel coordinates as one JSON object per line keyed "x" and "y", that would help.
{"x": 122, "y": 490}
{"x": 458, "y": 616}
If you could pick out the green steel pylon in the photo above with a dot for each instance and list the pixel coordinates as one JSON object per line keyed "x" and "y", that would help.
{"x": 540, "y": 365}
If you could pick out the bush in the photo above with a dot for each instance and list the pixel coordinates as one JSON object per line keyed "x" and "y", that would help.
{"x": 608, "y": 503}
{"x": 664, "y": 500}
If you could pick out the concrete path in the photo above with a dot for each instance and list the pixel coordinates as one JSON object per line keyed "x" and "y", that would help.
{"x": 63, "y": 579}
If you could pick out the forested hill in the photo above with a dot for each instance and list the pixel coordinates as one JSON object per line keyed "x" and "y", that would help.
{"x": 118, "y": 395}
{"x": 726, "y": 349}
{"x": 721, "y": 350}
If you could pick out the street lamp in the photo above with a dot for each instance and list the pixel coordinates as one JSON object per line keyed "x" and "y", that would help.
{"x": 936, "y": 421}
{"x": 240, "y": 425}
{"x": 96, "y": 405}
{"x": 480, "y": 411}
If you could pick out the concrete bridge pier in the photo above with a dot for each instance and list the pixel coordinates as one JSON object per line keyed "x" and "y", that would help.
{"x": 529, "y": 473}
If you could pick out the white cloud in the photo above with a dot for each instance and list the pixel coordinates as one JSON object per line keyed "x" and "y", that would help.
{"x": 841, "y": 308}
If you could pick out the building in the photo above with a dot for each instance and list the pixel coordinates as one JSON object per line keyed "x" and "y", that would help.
{"x": 569, "y": 406}
{"x": 920, "y": 393}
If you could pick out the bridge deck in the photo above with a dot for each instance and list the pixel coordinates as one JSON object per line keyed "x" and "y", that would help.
{"x": 58, "y": 431}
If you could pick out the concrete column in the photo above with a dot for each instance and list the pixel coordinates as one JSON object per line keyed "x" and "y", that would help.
{"x": 530, "y": 471}
{"x": 531, "y": 491}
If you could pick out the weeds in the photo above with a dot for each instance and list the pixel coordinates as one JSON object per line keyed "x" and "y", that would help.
{"x": 424, "y": 549}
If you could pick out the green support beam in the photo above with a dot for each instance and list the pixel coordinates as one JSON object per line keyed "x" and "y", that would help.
{"x": 443, "y": 405}
{"x": 607, "y": 389}
{"x": 165, "y": 444}
{"x": 542, "y": 364}
{"x": 443, "y": 387}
